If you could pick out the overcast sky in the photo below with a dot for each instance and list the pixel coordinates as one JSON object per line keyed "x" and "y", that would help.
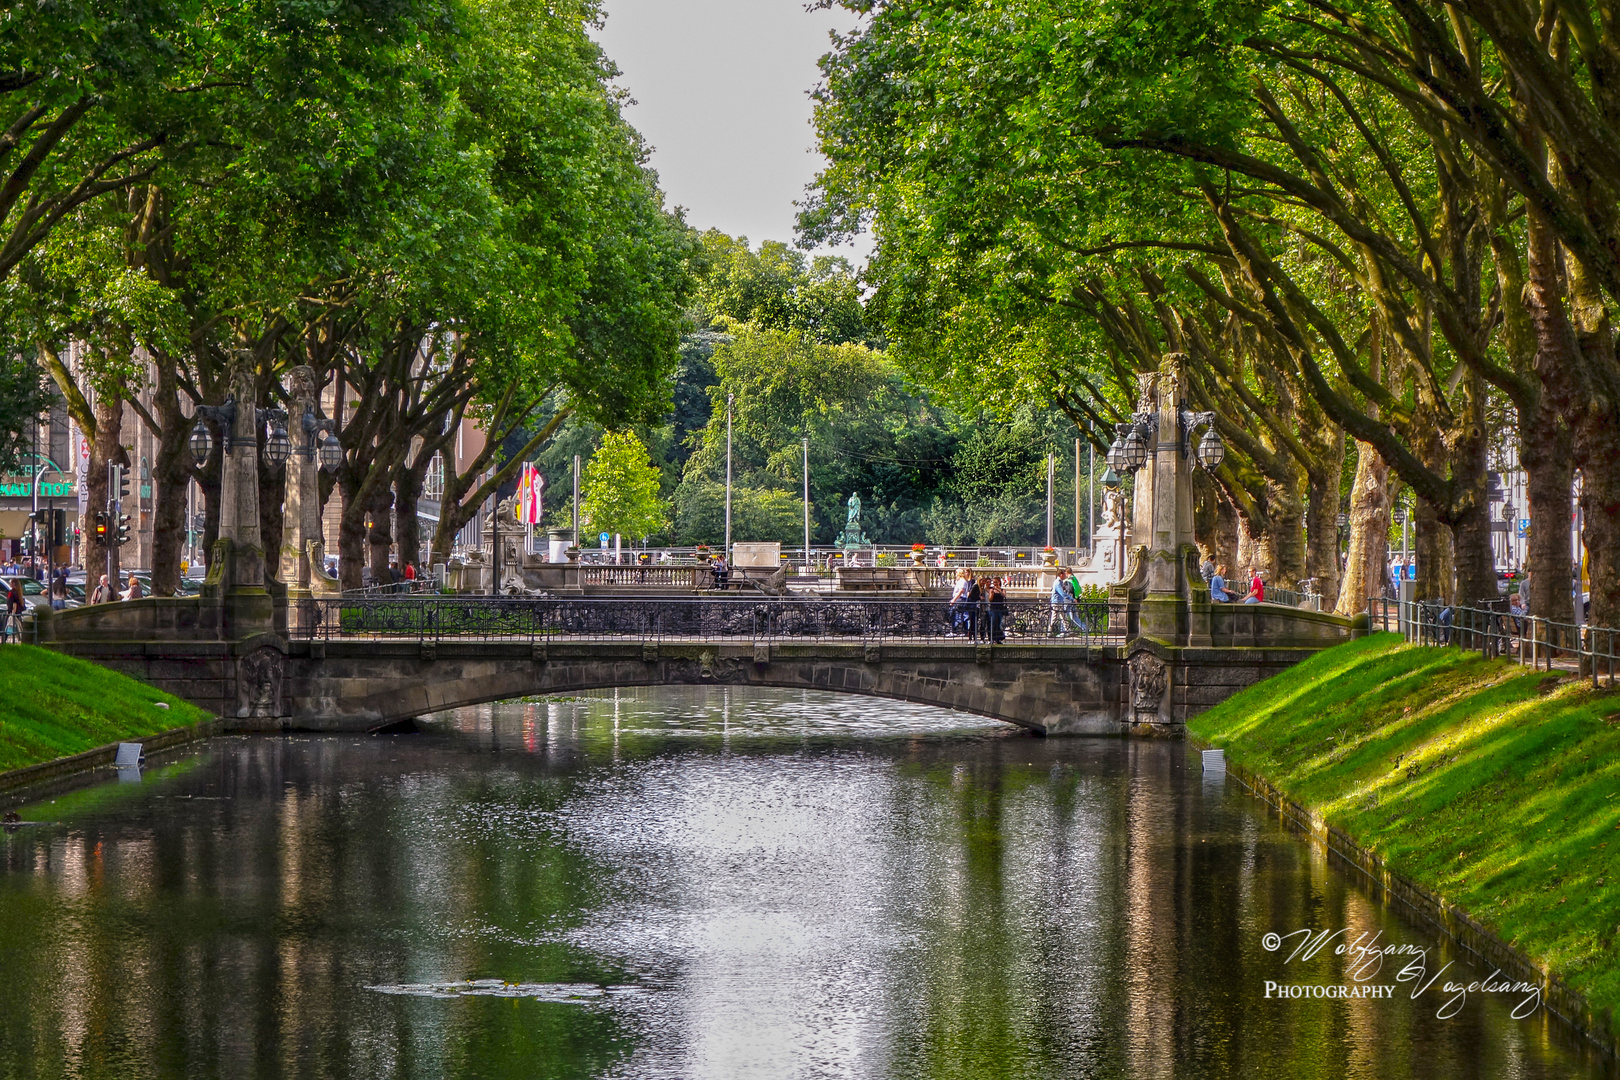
{"x": 721, "y": 95}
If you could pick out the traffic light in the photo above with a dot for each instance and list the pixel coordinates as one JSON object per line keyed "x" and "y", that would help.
{"x": 123, "y": 529}
{"x": 59, "y": 529}
{"x": 101, "y": 525}
{"x": 123, "y": 483}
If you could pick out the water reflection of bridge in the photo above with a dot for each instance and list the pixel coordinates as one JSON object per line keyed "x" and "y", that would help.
{"x": 364, "y": 662}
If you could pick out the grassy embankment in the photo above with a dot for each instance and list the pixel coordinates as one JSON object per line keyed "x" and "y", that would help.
{"x": 1489, "y": 784}
{"x": 52, "y": 706}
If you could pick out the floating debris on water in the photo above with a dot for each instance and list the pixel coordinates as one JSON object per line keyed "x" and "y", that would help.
{"x": 557, "y": 992}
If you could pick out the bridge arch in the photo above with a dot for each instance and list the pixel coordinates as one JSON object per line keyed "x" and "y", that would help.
{"x": 371, "y": 685}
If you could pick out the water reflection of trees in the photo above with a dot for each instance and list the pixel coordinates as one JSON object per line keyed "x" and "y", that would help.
{"x": 234, "y": 935}
{"x": 991, "y": 907}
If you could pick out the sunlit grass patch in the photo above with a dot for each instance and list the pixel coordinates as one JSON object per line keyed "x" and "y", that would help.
{"x": 55, "y": 705}
{"x": 1465, "y": 776}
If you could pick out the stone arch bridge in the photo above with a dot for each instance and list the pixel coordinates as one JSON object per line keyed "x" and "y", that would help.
{"x": 363, "y": 663}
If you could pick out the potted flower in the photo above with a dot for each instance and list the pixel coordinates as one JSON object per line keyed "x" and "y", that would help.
{"x": 1048, "y": 556}
{"x": 918, "y": 552}
{"x": 702, "y": 553}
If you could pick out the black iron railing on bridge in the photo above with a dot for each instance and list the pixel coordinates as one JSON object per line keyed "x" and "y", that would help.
{"x": 440, "y": 618}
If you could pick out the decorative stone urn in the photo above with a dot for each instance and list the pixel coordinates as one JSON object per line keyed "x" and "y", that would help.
{"x": 1048, "y": 557}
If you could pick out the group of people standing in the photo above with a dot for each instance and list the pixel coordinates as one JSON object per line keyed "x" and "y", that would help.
{"x": 105, "y": 592}
{"x": 978, "y": 607}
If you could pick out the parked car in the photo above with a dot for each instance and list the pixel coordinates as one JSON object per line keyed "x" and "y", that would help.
{"x": 34, "y": 592}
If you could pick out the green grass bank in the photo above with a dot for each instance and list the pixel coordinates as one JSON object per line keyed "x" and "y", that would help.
{"x": 54, "y": 706}
{"x": 1484, "y": 782}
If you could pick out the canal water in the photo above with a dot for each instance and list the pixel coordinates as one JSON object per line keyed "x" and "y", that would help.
{"x": 693, "y": 883}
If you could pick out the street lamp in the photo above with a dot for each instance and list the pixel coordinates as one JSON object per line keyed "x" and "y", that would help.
{"x": 202, "y": 443}
{"x": 329, "y": 450}
{"x": 277, "y": 446}
{"x": 1130, "y": 449}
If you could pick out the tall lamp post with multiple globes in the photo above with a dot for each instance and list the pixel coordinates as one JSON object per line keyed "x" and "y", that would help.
{"x": 313, "y": 453}
{"x": 277, "y": 444}
{"x": 1161, "y": 596}
{"x": 1130, "y": 450}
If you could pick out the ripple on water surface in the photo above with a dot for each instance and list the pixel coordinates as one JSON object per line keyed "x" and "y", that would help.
{"x": 703, "y": 882}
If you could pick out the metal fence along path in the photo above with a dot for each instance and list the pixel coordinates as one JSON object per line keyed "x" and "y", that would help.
{"x": 436, "y": 618}
{"x": 1543, "y": 644}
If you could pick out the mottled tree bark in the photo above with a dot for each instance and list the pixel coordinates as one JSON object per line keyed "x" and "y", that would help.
{"x": 105, "y": 449}
{"x": 381, "y": 536}
{"x": 407, "y": 526}
{"x": 1322, "y": 531}
{"x": 351, "y": 535}
{"x": 1283, "y": 544}
{"x": 1368, "y": 553}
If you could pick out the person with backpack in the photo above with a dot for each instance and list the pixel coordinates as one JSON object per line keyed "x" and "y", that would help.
{"x": 1062, "y": 602}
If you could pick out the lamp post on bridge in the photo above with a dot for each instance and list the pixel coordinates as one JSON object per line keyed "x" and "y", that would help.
{"x": 1162, "y": 604}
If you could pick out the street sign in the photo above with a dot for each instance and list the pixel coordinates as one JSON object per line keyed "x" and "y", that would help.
{"x": 1524, "y": 528}
{"x": 605, "y": 538}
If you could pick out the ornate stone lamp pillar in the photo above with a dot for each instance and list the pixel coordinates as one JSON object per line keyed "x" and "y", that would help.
{"x": 238, "y": 595}
{"x": 1163, "y": 603}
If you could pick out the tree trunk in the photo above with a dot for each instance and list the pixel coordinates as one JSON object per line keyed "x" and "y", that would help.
{"x": 1215, "y": 520}
{"x": 272, "y": 493}
{"x": 1599, "y": 452}
{"x": 1365, "y": 565}
{"x": 106, "y": 449}
{"x": 381, "y": 536}
{"x": 1322, "y": 533}
{"x": 1597, "y": 446}
{"x": 1471, "y": 524}
{"x": 171, "y": 475}
{"x": 1546, "y": 448}
{"x": 1436, "y": 568}
{"x": 1284, "y": 543}
{"x": 407, "y": 527}
{"x": 351, "y": 535}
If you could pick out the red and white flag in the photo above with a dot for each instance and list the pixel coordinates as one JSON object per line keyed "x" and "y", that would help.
{"x": 528, "y": 502}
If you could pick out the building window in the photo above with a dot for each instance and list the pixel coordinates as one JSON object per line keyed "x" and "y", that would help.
{"x": 433, "y": 482}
